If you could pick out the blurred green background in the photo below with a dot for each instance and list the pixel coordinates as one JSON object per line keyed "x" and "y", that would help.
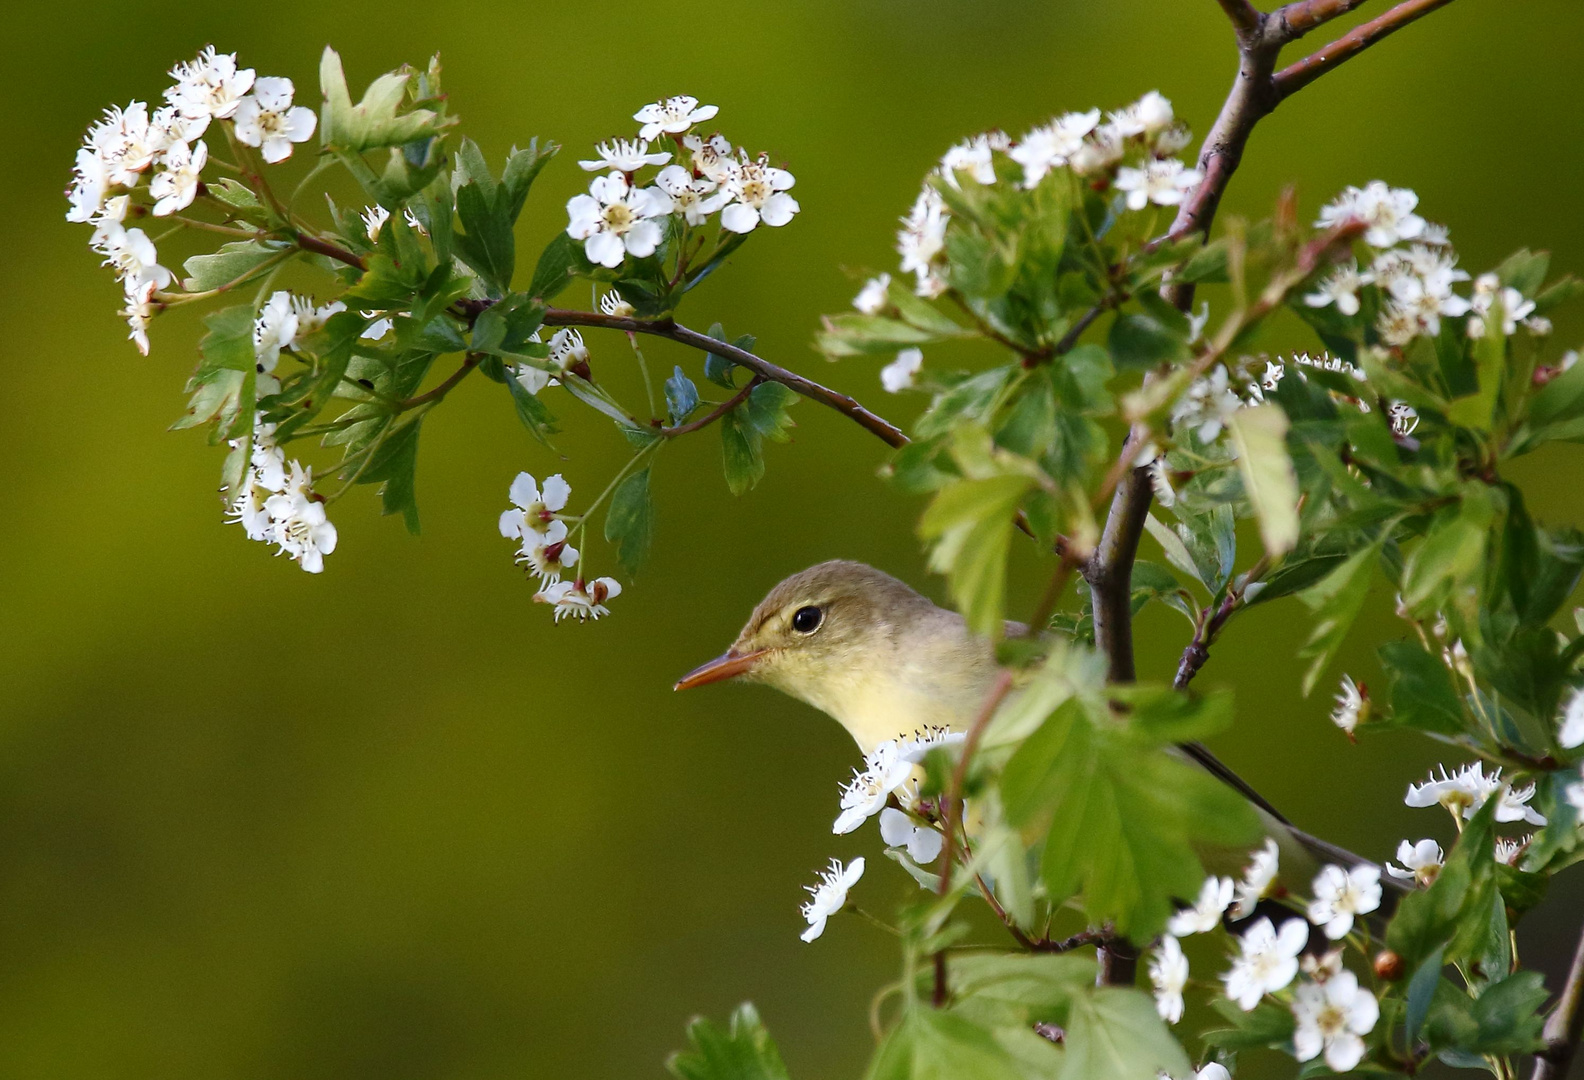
{"x": 390, "y": 822}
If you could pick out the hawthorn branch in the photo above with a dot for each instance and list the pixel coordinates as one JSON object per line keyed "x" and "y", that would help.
{"x": 1295, "y": 77}
{"x": 1565, "y": 1025}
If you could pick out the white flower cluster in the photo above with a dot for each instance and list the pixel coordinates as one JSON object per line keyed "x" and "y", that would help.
{"x": 567, "y": 352}
{"x": 534, "y": 520}
{"x": 1145, "y": 135}
{"x": 128, "y": 143}
{"x": 277, "y": 504}
{"x": 284, "y": 323}
{"x": 619, "y": 216}
{"x": 887, "y": 769}
{"x": 1414, "y": 267}
{"x": 1462, "y": 792}
{"x": 1331, "y": 1011}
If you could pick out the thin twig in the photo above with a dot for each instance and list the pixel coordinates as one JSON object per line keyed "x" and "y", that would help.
{"x": 1295, "y": 77}
{"x": 468, "y": 364}
{"x": 1565, "y": 1024}
{"x": 714, "y": 414}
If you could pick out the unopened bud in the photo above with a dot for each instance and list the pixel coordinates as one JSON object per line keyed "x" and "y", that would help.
{"x": 1388, "y": 966}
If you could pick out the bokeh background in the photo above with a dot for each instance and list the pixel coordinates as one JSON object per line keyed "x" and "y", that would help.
{"x": 390, "y": 822}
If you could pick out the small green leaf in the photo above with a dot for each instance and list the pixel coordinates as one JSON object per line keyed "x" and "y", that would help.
{"x": 1336, "y": 600}
{"x": 560, "y": 262}
{"x": 743, "y": 1051}
{"x": 935, "y": 1044}
{"x": 373, "y": 122}
{"x": 1422, "y": 695}
{"x": 970, "y": 523}
{"x": 741, "y": 451}
{"x": 1115, "y": 1033}
{"x": 232, "y": 263}
{"x": 681, "y": 397}
{"x": 629, "y": 524}
{"x": 1139, "y": 340}
{"x": 394, "y": 467}
{"x": 229, "y": 343}
{"x": 1260, "y": 435}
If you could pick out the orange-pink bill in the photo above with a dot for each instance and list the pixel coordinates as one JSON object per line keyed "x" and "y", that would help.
{"x": 726, "y": 666}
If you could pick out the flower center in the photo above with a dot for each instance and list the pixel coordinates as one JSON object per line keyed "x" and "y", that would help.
{"x": 618, "y": 218}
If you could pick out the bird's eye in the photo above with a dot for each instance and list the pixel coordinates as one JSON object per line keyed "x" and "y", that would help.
{"x": 806, "y": 620}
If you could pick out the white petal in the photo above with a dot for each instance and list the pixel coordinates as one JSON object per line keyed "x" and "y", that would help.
{"x": 524, "y": 490}
{"x": 778, "y": 209}
{"x": 896, "y": 828}
{"x": 739, "y": 218}
{"x": 556, "y": 492}
{"x": 604, "y": 249}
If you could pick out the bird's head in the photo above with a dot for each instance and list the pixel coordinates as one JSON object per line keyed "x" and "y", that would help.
{"x": 816, "y": 630}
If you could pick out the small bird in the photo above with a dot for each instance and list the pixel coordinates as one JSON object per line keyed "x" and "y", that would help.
{"x": 885, "y": 661}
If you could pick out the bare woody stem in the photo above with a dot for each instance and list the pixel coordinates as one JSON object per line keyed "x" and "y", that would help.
{"x": 1256, "y": 91}
{"x": 1565, "y": 1024}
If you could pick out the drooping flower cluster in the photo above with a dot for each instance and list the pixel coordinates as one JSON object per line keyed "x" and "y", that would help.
{"x": 276, "y": 503}
{"x": 165, "y": 145}
{"x": 535, "y": 521}
{"x": 621, "y": 216}
{"x": 1465, "y": 790}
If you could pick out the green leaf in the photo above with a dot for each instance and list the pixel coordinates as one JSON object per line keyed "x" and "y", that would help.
{"x": 560, "y": 262}
{"x": 1490, "y": 358}
{"x": 718, "y": 370}
{"x": 1452, "y": 554}
{"x": 1335, "y": 599}
{"x": 629, "y": 524}
{"x": 1115, "y": 1033}
{"x": 229, "y": 343}
{"x": 852, "y": 334}
{"x": 1504, "y": 1019}
{"x": 1267, "y": 1025}
{"x": 373, "y": 122}
{"x": 231, "y": 263}
{"x": 743, "y": 1051}
{"x": 934, "y": 1044}
{"x": 522, "y": 167}
{"x": 487, "y": 213}
{"x": 766, "y": 410}
{"x": 394, "y": 467}
{"x": 970, "y": 524}
{"x": 1428, "y": 920}
{"x": 1016, "y": 989}
{"x": 742, "y": 452}
{"x": 1422, "y": 695}
{"x": 1260, "y": 435}
{"x": 681, "y": 397}
{"x": 534, "y": 414}
{"x": 1524, "y": 270}
{"x": 1421, "y": 992}
{"x": 1140, "y": 340}
{"x": 1124, "y": 818}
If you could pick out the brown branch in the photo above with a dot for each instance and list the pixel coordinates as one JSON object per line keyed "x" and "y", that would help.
{"x": 1295, "y": 77}
{"x": 1565, "y": 1025}
{"x": 468, "y": 364}
{"x": 1109, "y": 572}
{"x": 310, "y": 242}
{"x": 1244, "y": 15}
{"x": 1294, "y": 20}
{"x": 883, "y": 429}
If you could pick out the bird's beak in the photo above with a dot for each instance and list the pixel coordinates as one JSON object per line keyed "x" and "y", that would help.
{"x": 727, "y": 666}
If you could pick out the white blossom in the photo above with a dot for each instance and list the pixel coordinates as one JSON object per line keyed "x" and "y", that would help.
{"x": 1101, "y": 149}
{"x": 925, "y": 739}
{"x": 311, "y": 317}
{"x": 533, "y": 510}
{"x": 874, "y": 296}
{"x": 1160, "y": 482}
{"x": 175, "y": 187}
{"x": 1148, "y": 115}
{"x": 1570, "y": 733}
{"x": 830, "y": 895}
{"x": 1465, "y": 791}
{"x": 298, "y": 523}
{"x": 974, "y": 156}
{"x": 901, "y": 373}
{"x": 1168, "y": 972}
{"x": 132, "y": 255}
{"x": 1538, "y": 325}
{"x": 268, "y": 120}
{"x": 863, "y": 796}
{"x": 1049, "y": 146}
{"x": 616, "y": 306}
{"x": 1403, "y": 416}
{"x": 1352, "y": 706}
{"x": 1508, "y": 850}
{"x": 140, "y": 308}
{"x": 1340, "y": 894}
{"x": 624, "y": 155}
{"x": 615, "y": 220}
{"x": 374, "y": 219}
{"x": 1165, "y": 182}
{"x": 167, "y": 127}
{"x": 1487, "y": 289}
{"x": 90, "y": 182}
{"x": 711, "y": 157}
{"x": 1341, "y": 288}
{"x": 1574, "y": 794}
{"x": 274, "y": 329}
{"x": 1213, "y": 1070}
{"x": 694, "y": 197}
{"x": 922, "y": 237}
{"x": 1259, "y": 880}
{"x": 923, "y": 843}
{"x": 1205, "y": 914}
{"x": 1207, "y": 404}
{"x": 1421, "y": 862}
{"x": 1332, "y": 1017}
{"x": 579, "y": 599}
{"x": 672, "y": 116}
{"x": 124, "y": 143}
{"x": 757, "y": 191}
{"x": 1267, "y": 963}
{"x": 212, "y": 86}
{"x": 547, "y": 553}
{"x": 1386, "y": 212}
